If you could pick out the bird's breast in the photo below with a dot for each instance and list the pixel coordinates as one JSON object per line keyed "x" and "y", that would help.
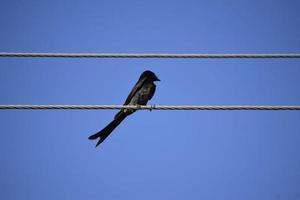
{"x": 142, "y": 96}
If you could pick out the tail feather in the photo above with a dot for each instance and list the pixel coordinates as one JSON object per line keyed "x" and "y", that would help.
{"x": 94, "y": 137}
{"x": 105, "y": 132}
{"x": 119, "y": 113}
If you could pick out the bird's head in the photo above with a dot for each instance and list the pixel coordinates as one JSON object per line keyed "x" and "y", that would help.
{"x": 149, "y": 75}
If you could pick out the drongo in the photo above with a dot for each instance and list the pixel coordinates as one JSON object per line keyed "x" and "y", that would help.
{"x": 140, "y": 94}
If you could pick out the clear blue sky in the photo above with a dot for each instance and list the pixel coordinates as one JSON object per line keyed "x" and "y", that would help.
{"x": 212, "y": 155}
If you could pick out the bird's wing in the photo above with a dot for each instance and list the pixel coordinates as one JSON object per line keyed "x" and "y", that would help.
{"x": 136, "y": 88}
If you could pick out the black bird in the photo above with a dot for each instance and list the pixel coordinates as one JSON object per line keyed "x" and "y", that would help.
{"x": 140, "y": 94}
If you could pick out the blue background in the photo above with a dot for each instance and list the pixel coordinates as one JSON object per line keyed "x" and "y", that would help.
{"x": 45, "y": 154}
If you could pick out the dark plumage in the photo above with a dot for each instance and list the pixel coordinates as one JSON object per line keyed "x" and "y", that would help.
{"x": 140, "y": 94}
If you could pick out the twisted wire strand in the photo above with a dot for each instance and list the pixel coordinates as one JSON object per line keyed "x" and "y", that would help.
{"x": 152, "y": 107}
{"x": 123, "y": 55}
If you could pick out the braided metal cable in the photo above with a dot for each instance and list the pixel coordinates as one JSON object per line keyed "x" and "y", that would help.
{"x": 105, "y": 55}
{"x": 152, "y": 107}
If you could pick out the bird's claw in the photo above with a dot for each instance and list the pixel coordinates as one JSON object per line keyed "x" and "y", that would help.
{"x": 151, "y": 107}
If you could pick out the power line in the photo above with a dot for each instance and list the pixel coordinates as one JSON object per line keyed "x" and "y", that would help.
{"x": 152, "y": 107}
{"x": 124, "y": 55}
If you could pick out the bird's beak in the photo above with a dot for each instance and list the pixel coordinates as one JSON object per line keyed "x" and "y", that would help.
{"x": 157, "y": 79}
